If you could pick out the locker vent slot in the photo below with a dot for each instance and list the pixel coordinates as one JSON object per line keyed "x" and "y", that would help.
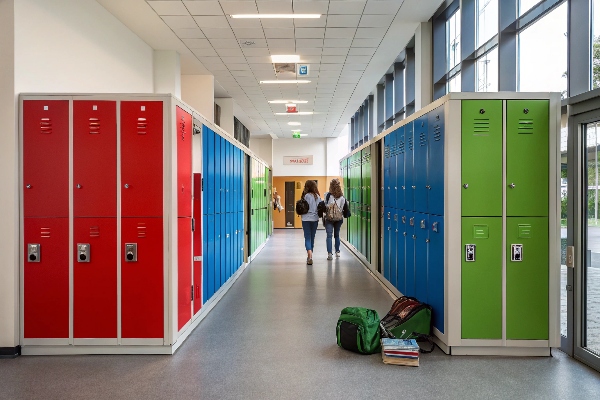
{"x": 437, "y": 133}
{"x": 525, "y": 126}
{"x": 423, "y": 139}
{"x": 94, "y": 231}
{"x": 410, "y": 143}
{"x": 141, "y": 126}
{"x": 45, "y": 232}
{"x": 481, "y": 126}
{"x": 386, "y": 152}
{"x": 46, "y": 125}
{"x": 401, "y": 147}
{"x": 141, "y": 229}
{"x": 94, "y": 126}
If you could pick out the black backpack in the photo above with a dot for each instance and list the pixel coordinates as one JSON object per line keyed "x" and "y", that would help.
{"x": 301, "y": 206}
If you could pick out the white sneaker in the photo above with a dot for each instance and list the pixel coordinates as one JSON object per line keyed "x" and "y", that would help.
{"x": 309, "y": 261}
{"x": 330, "y": 256}
{"x": 337, "y": 254}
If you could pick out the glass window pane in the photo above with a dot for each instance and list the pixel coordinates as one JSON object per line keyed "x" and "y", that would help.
{"x": 454, "y": 84}
{"x": 453, "y": 40}
{"x": 487, "y": 20}
{"x": 596, "y": 44}
{"x": 487, "y": 72}
{"x": 563, "y": 223}
{"x": 526, "y": 5}
{"x": 543, "y": 54}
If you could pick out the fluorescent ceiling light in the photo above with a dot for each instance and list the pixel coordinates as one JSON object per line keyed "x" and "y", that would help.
{"x": 304, "y": 134}
{"x": 296, "y": 113}
{"x": 275, "y": 15}
{"x": 294, "y": 123}
{"x": 288, "y": 101}
{"x": 286, "y": 81}
{"x": 296, "y": 130}
{"x": 285, "y": 58}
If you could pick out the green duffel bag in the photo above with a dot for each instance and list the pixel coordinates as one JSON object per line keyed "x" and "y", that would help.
{"x": 357, "y": 330}
{"x": 408, "y": 319}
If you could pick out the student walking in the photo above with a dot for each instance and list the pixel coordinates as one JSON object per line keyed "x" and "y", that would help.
{"x": 335, "y": 206}
{"x": 310, "y": 220}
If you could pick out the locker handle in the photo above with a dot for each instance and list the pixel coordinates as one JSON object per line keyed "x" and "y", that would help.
{"x": 428, "y": 187}
{"x": 28, "y": 186}
{"x": 414, "y": 187}
{"x": 126, "y": 186}
{"x": 426, "y": 240}
{"x": 78, "y": 186}
{"x": 512, "y": 186}
{"x": 466, "y": 185}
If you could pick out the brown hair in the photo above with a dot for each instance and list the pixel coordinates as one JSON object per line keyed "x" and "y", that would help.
{"x": 311, "y": 187}
{"x": 335, "y": 188}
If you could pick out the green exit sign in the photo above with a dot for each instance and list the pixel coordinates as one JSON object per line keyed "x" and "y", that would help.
{"x": 296, "y": 135}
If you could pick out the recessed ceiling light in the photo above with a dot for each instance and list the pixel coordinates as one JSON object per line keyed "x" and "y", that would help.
{"x": 296, "y": 130}
{"x": 286, "y": 81}
{"x": 294, "y": 123}
{"x": 285, "y": 58}
{"x": 304, "y": 134}
{"x": 275, "y": 15}
{"x": 288, "y": 101}
{"x": 296, "y": 113}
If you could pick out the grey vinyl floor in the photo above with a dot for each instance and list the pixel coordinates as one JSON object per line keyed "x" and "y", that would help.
{"x": 273, "y": 337}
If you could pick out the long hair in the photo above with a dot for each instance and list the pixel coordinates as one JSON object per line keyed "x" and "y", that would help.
{"x": 311, "y": 187}
{"x": 335, "y": 188}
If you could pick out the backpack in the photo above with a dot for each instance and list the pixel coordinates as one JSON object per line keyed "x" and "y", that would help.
{"x": 357, "y": 330}
{"x": 408, "y": 318}
{"x": 332, "y": 211}
{"x": 301, "y": 206}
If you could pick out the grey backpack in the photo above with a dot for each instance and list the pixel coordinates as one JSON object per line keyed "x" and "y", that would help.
{"x": 333, "y": 212}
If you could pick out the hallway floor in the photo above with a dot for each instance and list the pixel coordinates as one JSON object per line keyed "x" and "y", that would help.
{"x": 273, "y": 337}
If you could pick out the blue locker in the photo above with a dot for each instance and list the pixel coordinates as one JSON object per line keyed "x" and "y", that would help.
{"x": 435, "y": 270}
{"x": 435, "y": 162}
{"x": 401, "y": 252}
{"x": 393, "y": 171}
{"x": 409, "y": 192}
{"x": 410, "y": 254}
{"x": 420, "y": 163}
{"x": 209, "y": 191}
{"x": 211, "y": 259}
{"x": 386, "y": 171}
{"x": 400, "y": 139}
{"x": 421, "y": 247}
{"x": 205, "y": 263}
{"x": 386, "y": 242}
{"x": 216, "y": 159}
{"x": 205, "y": 166}
{"x": 393, "y": 250}
{"x": 239, "y": 198}
{"x": 241, "y": 238}
{"x": 223, "y": 248}
{"x": 228, "y": 246}
{"x": 217, "y": 255}
{"x": 229, "y": 169}
{"x": 223, "y": 160}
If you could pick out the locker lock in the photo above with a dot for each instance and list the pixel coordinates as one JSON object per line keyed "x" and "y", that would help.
{"x": 130, "y": 252}
{"x": 526, "y": 111}
{"x": 482, "y": 111}
{"x": 33, "y": 252}
{"x": 83, "y": 252}
{"x": 466, "y": 185}
{"x": 78, "y": 186}
{"x": 28, "y": 186}
{"x": 512, "y": 186}
{"x": 126, "y": 186}
{"x": 469, "y": 252}
{"x": 428, "y": 187}
{"x": 516, "y": 253}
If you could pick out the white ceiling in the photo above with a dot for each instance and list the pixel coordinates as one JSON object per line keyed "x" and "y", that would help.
{"x": 348, "y": 49}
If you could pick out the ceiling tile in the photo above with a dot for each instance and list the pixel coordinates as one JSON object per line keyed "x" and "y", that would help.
{"x": 189, "y": 33}
{"x": 242, "y": 73}
{"x": 311, "y": 7}
{"x": 343, "y": 21}
{"x": 225, "y": 52}
{"x": 277, "y": 23}
{"x": 275, "y": 7}
{"x": 218, "y": 33}
{"x": 358, "y": 60}
{"x": 311, "y": 22}
{"x": 237, "y": 66}
{"x": 346, "y": 7}
{"x": 329, "y": 74}
{"x": 224, "y": 43}
{"x": 335, "y": 51}
{"x": 281, "y": 43}
{"x": 337, "y": 42}
{"x": 180, "y": 22}
{"x": 366, "y": 42}
{"x": 376, "y": 21}
{"x": 256, "y": 52}
{"x": 310, "y": 33}
{"x": 259, "y": 60}
{"x": 197, "y": 43}
{"x": 279, "y": 33}
{"x": 211, "y": 21}
{"x": 208, "y": 51}
{"x": 253, "y": 43}
{"x": 333, "y": 59}
{"x": 306, "y": 59}
{"x": 331, "y": 67}
{"x": 308, "y": 51}
{"x": 382, "y": 7}
{"x": 239, "y": 7}
{"x": 203, "y": 7}
{"x": 361, "y": 51}
{"x": 249, "y": 33}
{"x": 169, "y": 7}
{"x": 244, "y": 22}
{"x": 339, "y": 33}
{"x": 261, "y": 67}
{"x": 378, "y": 33}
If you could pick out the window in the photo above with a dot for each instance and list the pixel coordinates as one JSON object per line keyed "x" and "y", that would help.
{"x": 596, "y": 44}
{"x": 454, "y": 84}
{"x": 526, "y": 5}
{"x": 487, "y": 20}
{"x": 487, "y": 72}
{"x": 543, "y": 54}
{"x": 453, "y": 40}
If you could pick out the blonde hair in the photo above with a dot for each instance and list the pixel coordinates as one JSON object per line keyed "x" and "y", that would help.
{"x": 335, "y": 188}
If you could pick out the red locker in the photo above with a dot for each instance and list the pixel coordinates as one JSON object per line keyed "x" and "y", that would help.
{"x": 46, "y": 158}
{"x": 141, "y": 158}
{"x": 46, "y": 278}
{"x": 95, "y": 278}
{"x": 184, "y": 271}
{"x": 142, "y": 299}
{"x": 184, "y": 163}
{"x": 197, "y": 242}
{"x": 94, "y": 158}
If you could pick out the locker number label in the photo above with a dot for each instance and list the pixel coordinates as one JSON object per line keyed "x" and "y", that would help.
{"x": 516, "y": 253}
{"x": 469, "y": 252}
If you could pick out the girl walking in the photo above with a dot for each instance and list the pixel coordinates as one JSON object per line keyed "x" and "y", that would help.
{"x": 310, "y": 220}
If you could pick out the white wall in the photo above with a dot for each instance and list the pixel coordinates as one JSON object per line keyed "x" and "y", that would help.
{"x": 300, "y": 147}
{"x": 77, "y": 46}
{"x": 199, "y": 92}
{"x": 336, "y": 149}
{"x": 167, "y": 72}
{"x": 226, "y": 104}
{"x": 263, "y": 148}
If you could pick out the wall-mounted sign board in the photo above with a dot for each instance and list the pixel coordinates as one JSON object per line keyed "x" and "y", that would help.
{"x": 297, "y": 160}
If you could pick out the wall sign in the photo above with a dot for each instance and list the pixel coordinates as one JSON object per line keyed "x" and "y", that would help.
{"x": 297, "y": 160}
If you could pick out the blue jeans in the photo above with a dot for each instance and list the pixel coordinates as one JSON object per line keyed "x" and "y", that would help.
{"x": 333, "y": 228}
{"x": 310, "y": 230}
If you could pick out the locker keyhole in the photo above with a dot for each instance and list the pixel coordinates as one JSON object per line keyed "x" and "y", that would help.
{"x": 130, "y": 256}
{"x": 82, "y": 257}
{"x": 32, "y": 257}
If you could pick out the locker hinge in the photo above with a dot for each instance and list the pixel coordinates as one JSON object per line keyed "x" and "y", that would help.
{"x": 192, "y": 292}
{"x": 193, "y": 224}
{"x": 202, "y": 189}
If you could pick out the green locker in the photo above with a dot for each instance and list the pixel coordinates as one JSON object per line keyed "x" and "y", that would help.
{"x": 481, "y": 161}
{"x": 527, "y": 278}
{"x": 481, "y": 278}
{"x": 527, "y": 165}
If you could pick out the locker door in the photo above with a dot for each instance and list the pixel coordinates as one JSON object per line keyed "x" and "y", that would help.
{"x": 208, "y": 157}
{"x": 95, "y": 278}
{"x": 211, "y": 256}
{"x": 218, "y": 187}
{"x": 228, "y": 248}
{"x": 386, "y": 172}
{"x": 198, "y": 240}
{"x": 401, "y": 256}
{"x": 420, "y": 164}
{"x": 481, "y": 278}
{"x": 527, "y": 278}
{"x": 223, "y": 249}
{"x": 242, "y": 234}
{"x": 435, "y": 270}
{"x": 142, "y": 298}
{"x": 400, "y": 139}
{"x": 481, "y": 164}
{"x": 141, "y": 158}
{"x": 184, "y": 163}
{"x": 95, "y": 158}
{"x": 46, "y": 158}
{"x": 435, "y": 162}
{"x": 393, "y": 171}
{"x": 46, "y": 278}
{"x": 410, "y": 254}
{"x": 368, "y": 244}
{"x": 227, "y": 193}
{"x": 527, "y": 158}
{"x": 393, "y": 249}
{"x": 387, "y": 232}
{"x": 421, "y": 250}
{"x": 409, "y": 180}
{"x": 184, "y": 271}
{"x": 218, "y": 260}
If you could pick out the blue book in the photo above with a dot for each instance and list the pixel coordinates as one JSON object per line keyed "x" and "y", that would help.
{"x": 404, "y": 344}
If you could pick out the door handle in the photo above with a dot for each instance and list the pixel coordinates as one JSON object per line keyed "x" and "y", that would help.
{"x": 570, "y": 256}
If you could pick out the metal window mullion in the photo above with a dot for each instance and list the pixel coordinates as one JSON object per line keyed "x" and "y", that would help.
{"x": 372, "y": 128}
{"x": 398, "y": 87}
{"x": 580, "y": 44}
{"x": 380, "y": 107}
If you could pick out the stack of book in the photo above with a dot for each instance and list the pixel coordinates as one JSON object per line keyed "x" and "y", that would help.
{"x": 400, "y": 351}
